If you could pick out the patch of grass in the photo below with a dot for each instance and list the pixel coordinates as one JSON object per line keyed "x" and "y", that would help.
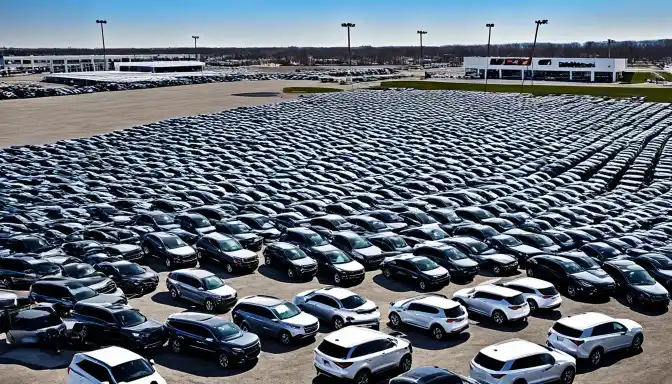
{"x": 310, "y": 90}
{"x": 663, "y": 95}
{"x": 642, "y": 77}
{"x": 666, "y": 75}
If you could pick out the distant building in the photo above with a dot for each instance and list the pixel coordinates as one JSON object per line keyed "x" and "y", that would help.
{"x": 159, "y": 66}
{"x": 600, "y": 70}
{"x": 79, "y": 63}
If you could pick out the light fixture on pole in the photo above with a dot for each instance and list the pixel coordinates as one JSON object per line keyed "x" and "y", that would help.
{"x": 349, "y": 25}
{"x": 102, "y": 33}
{"x": 422, "y": 57}
{"x": 609, "y": 41}
{"x": 531, "y": 60}
{"x": 487, "y": 55}
{"x": 195, "y": 54}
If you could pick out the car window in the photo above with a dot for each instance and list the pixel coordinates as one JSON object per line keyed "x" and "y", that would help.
{"x": 333, "y": 350}
{"x": 603, "y": 329}
{"x": 103, "y": 316}
{"x": 422, "y": 308}
{"x": 547, "y": 359}
{"x": 488, "y": 362}
{"x": 527, "y": 362}
{"x": 618, "y": 327}
{"x": 96, "y": 371}
{"x": 132, "y": 370}
{"x": 324, "y": 300}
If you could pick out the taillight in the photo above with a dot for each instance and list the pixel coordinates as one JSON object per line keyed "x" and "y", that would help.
{"x": 547, "y": 296}
{"x": 343, "y": 365}
{"x": 577, "y": 342}
{"x": 497, "y": 375}
{"x": 515, "y": 306}
{"x": 170, "y": 275}
{"x": 68, "y": 371}
{"x": 450, "y": 320}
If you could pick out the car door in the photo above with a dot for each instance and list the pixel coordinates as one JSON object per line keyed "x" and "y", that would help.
{"x": 403, "y": 269}
{"x": 253, "y": 318}
{"x": 420, "y": 315}
{"x": 190, "y": 288}
{"x": 200, "y": 337}
{"x": 477, "y": 302}
{"x": 605, "y": 335}
{"x": 388, "y": 353}
{"x": 324, "y": 306}
{"x": 107, "y": 326}
{"x": 266, "y": 321}
{"x": 529, "y": 368}
{"x": 621, "y": 334}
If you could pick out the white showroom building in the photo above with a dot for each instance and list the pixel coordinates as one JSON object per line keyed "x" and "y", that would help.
{"x": 81, "y": 63}
{"x": 546, "y": 68}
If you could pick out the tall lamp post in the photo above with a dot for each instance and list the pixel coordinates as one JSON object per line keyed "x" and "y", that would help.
{"x": 195, "y": 54}
{"x": 349, "y": 25}
{"x": 422, "y": 57}
{"x": 102, "y": 34}
{"x": 534, "y": 45}
{"x": 609, "y": 41}
{"x": 487, "y": 55}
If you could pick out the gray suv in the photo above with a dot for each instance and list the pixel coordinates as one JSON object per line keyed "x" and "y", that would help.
{"x": 201, "y": 287}
{"x": 272, "y": 317}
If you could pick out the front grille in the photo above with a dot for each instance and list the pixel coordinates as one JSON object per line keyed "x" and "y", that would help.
{"x": 375, "y": 260}
{"x": 439, "y": 279}
{"x": 108, "y": 288}
{"x": 133, "y": 255}
{"x": 310, "y": 328}
{"x": 250, "y": 261}
{"x": 308, "y": 268}
{"x": 252, "y": 351}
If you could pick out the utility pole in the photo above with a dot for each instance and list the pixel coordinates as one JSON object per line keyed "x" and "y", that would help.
{"x": 422, "y": 57}
{"x": 487, "y": 55}
{"x": 195, "y": 54}
{"x": 609, "y": 41}
{"x": 349, "y": 25}
{"x": 102, "y": 33}
{"x": 534, "y": 45}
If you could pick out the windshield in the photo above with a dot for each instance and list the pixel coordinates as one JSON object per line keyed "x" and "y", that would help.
{"x": 226, "y": 331}
{"x": 478, "y": 247}
{"x": 424, "y": 218}
{"x": 397, "y": 242}
{"x": 229, "y": 245}
{"x": 425, "y": 264}
{"x": 294, "y": 254}
{"x": 661, "y": 262}
{"x": 435, "y": 233}
{"x": 45, "y": 267}
{"x": 201, "y": 222}
{"x": 130, "y": 269}
{"x": 316, "y": 240}
{"x": 639, "y": 277}
{"x": 79, "y": 270}
{"x": 391, "y": 217}
{"x": 338, "y": 257}
{"x": 352, "y": 302}
{"x": 172, "y": 242}
{"x": 264, "y": 222}
{"x": 572, "y": 267}
{"x": 129, "y": 318}
{"x": 132, "y": 370}
{"x": 163, "y": 219}
{"x": 213, "y": 282}
{"x": 34, "y": 243}
{"x": 286, "y": 310}
{"x": 359, "y": 242}
{"x": 83, "y": 293}
{"x": 541, "y": 240}
{"x": 377, "y": 225}
{"x": 587, "y": 262}
{"x": 454, "y": 254}
{"x": 237, "y": 229}
{"x": 510, "y": 241}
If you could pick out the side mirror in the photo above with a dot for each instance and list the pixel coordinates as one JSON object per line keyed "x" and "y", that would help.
{"x": 209, "y": 339}
{"x": 200, "y": 288}
{"x": 275, "y": 320}
{"x": 151, "y": 361}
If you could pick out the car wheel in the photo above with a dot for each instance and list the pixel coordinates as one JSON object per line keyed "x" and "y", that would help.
{"x": 6, "y": 282}
{"x": 387, "y": 273}
{"x": 630, "y": 299}
{"x": 209, "y": 305}
{"x": 285, "y": 338}
{"x": 267, "y": 260}
{"x": 395, "y": 319}
{"x": 571, "y": 291}
{"x": 169, "y": 264}
{"x": 290, "y": 273}
{"x": 496, "y": 270}
{"x": 83, "y": 334}
{"x": 199, "y": 255}
{"x": 175, "y": 345}
{"x": 567, "y": 376}
{"x": 406, "y": 363}
{"x": 362, "y": 377}
{"x": 530, "y": 272}
{"x": 229, "y": 267}
{"x": 337, "y": 278}
{"x": 595, "y": 357}
{"x": 437, "y": 332}
{"x": 637, "y": 342}
{"x": 533, "y": 305}
{"x": 244, "y": 327}
{"x": 338, "y": 323}
{"x": 174, "y": 293}
{"x": 146, "y": 251}
{"x": 422, "y": 285}
{"x": 223, "y": 360}
{"x": 499, "y": 317}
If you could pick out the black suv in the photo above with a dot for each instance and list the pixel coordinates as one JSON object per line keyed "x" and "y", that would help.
{"x": 567, "y": 274}
{"x": 658, "y": 266}
{"x": 130, "y": 277}
{"x": 64, "y": 294}
{"x": 241, "y": 232}
{"x": 170, "y": 249}
{"x": 117, "y": 324}
{"x": 416, "y": 269}
{"x": 290, "y": 258}
{"x": 26, "y": 244}
{"x": 208, "y": 333}
{"x": 358, "y": 248}
{"x": 390, "y": 242}
{"x": 635, "y": 283}
{"x": 455, "y": 261}
{"x": 23, "y": 271}
{"x": 88, "y": 276}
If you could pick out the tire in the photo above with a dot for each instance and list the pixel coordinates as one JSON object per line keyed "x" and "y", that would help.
{"x": 223, "y": 361}
{"x": 438, "y": 333}
{"x": 83, "y": 334}
{"x": 499, "y": 317}
{"x": 595, "y": 357}
{"x": 533, "y": 306}
{"x": 567, "y": 376}
{"x": 147, "y": 251}
{"x": 337, "y": 279}
{"x": 406, "y": 363}
{"x": 337, "y": 323}
{"x": 395, "y": 319}
{"x": 229, "y": 267}
{"x": 530, "y": 272}
{"x": 174, "y": 293}
{"x": 209, "y": 305}
{"x": 496, "y": 270}
{"x": 267, "y": 260}
{"x": 6, "y": 282}
{"x": 362, "y": 377}
{"x": 175, "y": 345}
{"x": 571, "y": 291}
{"x": 422, "y": 285}
{"x": 387, "y": 273}
{"x": 244, "y": 327}
{"x": 290, "y": 273}
{"x": 637, "y": 342}
{"x": 285, "y": 338}
{"x": 168, "y": 263}
{"x": 630, "y": 299}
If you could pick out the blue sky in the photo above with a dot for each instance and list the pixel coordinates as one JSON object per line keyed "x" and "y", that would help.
{"x": 168, "y": 23}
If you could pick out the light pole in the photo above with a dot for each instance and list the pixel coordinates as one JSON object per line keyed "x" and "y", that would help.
{"x": 487, "y": 55}
{"x": 422, "y": 57}
{"x": 102, "y": 33}
{"x": 534, "y": 45}
{"x": 349, "y": 25}
{"x": 195, "y": 54}
{"x": 609, "y": 41}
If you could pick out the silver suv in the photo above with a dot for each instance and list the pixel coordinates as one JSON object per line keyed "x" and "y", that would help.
{"x": 499, "y": 303}
{"x": 273, "y": 317}
{"x": 435, "y": 313}
{"x": 339, "y": 307}
{"x": 201, "y": 287}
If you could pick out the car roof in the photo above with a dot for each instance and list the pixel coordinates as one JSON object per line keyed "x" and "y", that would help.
{"x": 530, "y": 282}
{"x": 282, "y": 245}
{"x": 195, "y": 272}
{"x": 164, "y": 235}
{"x": 263, "y": 300}
{"x": 497, "y": 290}
{"x": 351, "y": 336}
{"x": 109, "y": 306}
{"x": 191, "y": 316}
{"x": 346, "y": 234}
{"x": 436, "y": 301}
{"x": 513, "y": 349}
{"x": 217, "y": 236}
{"x": 112, "y": 356}
{"x": 335, "y": 292}
{"x": 624, "y": 265}
{"x": 586, "y": 320}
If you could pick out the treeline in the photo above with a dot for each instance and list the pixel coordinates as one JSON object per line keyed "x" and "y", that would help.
{"x": 650, "y": 50}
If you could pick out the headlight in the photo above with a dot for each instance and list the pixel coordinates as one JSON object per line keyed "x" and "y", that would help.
{"x": 137, "y": 282}
{"x": 584, "y": 283}
{"x": 643, "y": 294}
{"x": 295, "y": 326}
{"x": 135, "y": 334}
{"x": 237, "y": 350}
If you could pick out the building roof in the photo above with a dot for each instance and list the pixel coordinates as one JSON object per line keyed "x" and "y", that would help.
{"x": 113, "y": 356}
{"x": 351, "y": 336}
{"x": 585, "y": 320}
{"x": 512, "y": 349}
{"x": 162, "y": 64}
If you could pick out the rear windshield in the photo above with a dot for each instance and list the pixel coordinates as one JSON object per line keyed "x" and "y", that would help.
{"x": 567, "y": 331}
{"x": 332, "y": 350}
{"x": 488, "y": 362}
{"x": 515, "y": 300}
{"x": 454, "y": 312}
{"x": 34, "y": 324}
{"x": 548, "y": 291}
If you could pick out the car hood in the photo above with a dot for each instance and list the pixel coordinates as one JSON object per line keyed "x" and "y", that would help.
{"x": 153, "y": 378}
{"x": 500, "y": 258}
{"x": 182, "y": 251}
{"x": 440, "y": 271}
{"x": 589, "y": 277}
{"x": 666, "y": 272}
{"x": 465, "y": 263}
{"x": 552, "y": 248}
{"x": 246, "y": 339}
{"x": 654, "y": 289}
{"x": 246, "y": 236}
{"x": 397, "y": 226}
{"x": 166, "y": 227}
{"x": 242, "y": 254}
{"x": 369, "y": 251}
{"x": 207, "y": 229}
{"x": 224, "y": 291}
{"x": 526, "y": 249}
{"x": 105, "y": 298}
{"x": 126, "y": 248}
{"x": 148, "y": 326}
{"x": 324, "y": 248}
{"x": 302, "y": 319}
{"x": 352, "y": 266}
{"x": 366, "y": 307}
{"x": 95, "y": 282}
{"x": 304, "y": 261}
{"x": 599, "y": 272}
{"x": 145, "y": 276}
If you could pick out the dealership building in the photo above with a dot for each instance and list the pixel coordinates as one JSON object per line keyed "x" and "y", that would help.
{"x": 599, "y": 70}
{"x": 80, "y": 63}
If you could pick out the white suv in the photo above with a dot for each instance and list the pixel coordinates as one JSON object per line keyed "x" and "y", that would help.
{"x": 501, "y": 304}
{"x": 357, "y": 353}
{"x": 519, "y": 361}
{"x": 339, "y": 307}
{"x": 591, "y": 335}
{"x": 112, "y": 365}
{"x": 538, "y": 294}
{"x": 435, "y": 313}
